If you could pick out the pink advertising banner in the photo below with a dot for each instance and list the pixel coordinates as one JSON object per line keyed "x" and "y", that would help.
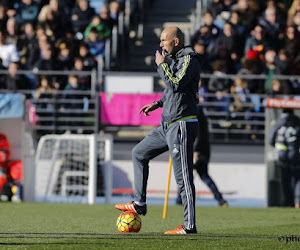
{"x": 123, "y": 109}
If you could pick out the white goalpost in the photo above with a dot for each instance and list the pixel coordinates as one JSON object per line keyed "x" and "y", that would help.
{"x": 73, "y": 168}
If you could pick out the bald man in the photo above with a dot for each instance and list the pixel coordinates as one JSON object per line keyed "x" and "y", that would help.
{"x": 177, "y": 130}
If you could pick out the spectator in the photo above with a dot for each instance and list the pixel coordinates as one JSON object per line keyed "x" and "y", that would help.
{"x": 103, "y": 30}
{"x": 114, "y": 10}
{"x": 276, "y": 89}
{"x": 296, "y": 21}
{"x": 27, "y": 12}
{"x": 49, "y": 62}
{"x": 239, "y": 29}
{"x": 204, "y": 35}
{"x": 220, "y": 85}
{"x": 215, "y": 7}
{"x": 257, "y": 42}
{"x": 51, "y": 19}
{"x": 3, "y": 17}
{"x": 241, "y": 101}
{"x": 43, "y": 96}
{"x": 82, "y": 14}
{"x": 291, "y": 42}
{"x": 88, "y": 60}
{"x": 229, "y": 42}
{"x": 248, "y": 15}
{"x": 83, "y": 80}
{"x": 63, "y": 57}
{"x": 96, "y": 44}
{"x": 8, "y": 52}
{"x": 272, "y": 27}
{"x": 15, "y": 81}
{"x": 12, "y": 31}
{"x": 200, "y": 47}
{"x": 208, "y": 21}
{"x": 269, "y": 67}
{"x": 292, "y": 11}
{"x": 28, "y": 47}
{"x": 106, "y": 18}
{"x": 252, "y": 67}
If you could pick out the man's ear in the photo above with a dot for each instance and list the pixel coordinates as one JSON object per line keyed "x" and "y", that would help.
{"x": 176, "y": 41}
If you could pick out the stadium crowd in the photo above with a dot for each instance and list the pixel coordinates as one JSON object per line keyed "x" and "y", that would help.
{"x": 234, "y": 37}
{"x": 53, "y": 35}
{"x": 250, "y": 37}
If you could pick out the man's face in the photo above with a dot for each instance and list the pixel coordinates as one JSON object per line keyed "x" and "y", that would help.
{"x": 167, "y": 43}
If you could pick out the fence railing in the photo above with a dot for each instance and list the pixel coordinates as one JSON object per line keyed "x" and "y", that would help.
{"x": 79, "y": 111}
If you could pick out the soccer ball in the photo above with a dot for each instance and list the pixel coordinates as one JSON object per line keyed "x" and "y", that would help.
{"x": 129, "y": 222}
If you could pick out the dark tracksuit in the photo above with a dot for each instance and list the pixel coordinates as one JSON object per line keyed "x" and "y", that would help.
{"x": 285, "y": 137}
{"x": 177, "y": 130}
{"x": 202, "y": 148}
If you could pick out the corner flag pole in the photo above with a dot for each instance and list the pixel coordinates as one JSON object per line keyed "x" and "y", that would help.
{"x": 167, "y": 189}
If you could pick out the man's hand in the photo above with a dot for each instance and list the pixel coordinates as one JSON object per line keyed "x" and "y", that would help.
{"x": 148, "y": 108}
{"x": 159, "y": 58}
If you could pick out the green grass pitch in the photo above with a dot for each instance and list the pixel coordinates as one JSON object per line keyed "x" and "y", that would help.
{"x": 78, "y": 226}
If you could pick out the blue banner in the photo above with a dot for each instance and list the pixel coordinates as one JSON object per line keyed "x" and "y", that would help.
{"x": 11, "y": 105}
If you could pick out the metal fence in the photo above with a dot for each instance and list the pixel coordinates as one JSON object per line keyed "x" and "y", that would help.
{"x": 79, "y": 111}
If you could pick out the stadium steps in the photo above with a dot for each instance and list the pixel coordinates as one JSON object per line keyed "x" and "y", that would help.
{"x": 141, "y": 52}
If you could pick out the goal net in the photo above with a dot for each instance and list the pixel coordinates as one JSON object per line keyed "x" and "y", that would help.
{"x": 274, "y": 108}
{"x": 73, "y": 168}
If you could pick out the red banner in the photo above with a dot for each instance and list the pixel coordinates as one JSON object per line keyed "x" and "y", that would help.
{"x": 280, "y": 103}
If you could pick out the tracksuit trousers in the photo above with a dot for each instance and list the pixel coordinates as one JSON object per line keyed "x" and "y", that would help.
{"x": 178, "y": 138}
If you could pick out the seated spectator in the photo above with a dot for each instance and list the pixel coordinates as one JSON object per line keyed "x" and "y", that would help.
{"x": 228, "y": 41}
{"x": 3, "y": 17}
{"x": 240, "y": 94}
{"x": 103, "y": 30}
{"x": 247, "y": 14}
{"x": 200, "y": 47}
{"x": 220, "y": 85}
{"x": 28, "y": 47}
{"x": 292, "y": 11}
{"x": 269, "y": 67}
{"x": 96, "y": 44}
{"x": 27, "y": 12}
{"x": 82, "y": 14}
{"x": 258, "y": 41}
{"x": 70, "y": 95}
{"x": 63, "y": 57}
{"x": 276, "y": 89}
{"x": 114, "y": 10}
{"x": 8, "y": 52}
{"x": 88, "y": 60}
{"x": 106, "y": 18}
{"x": 51, "y": 20}
{"x": 16, "y": 81}
{"x": 43, "y": 90}
{"x": 296, "y": 21}
{"x": 272, "y": 27}
{"x": 43, "y": 97}
{"x": 252, "y": 67}
{"x": 291, "y": 42}
{"x": 83, "y": 80}
{"x": 240, "y": 31}
{"x": 215, "y": 7}
{"x": 204, "y": 35}
{"x": 12, "y": 31}
{"x": 208, "y": 22}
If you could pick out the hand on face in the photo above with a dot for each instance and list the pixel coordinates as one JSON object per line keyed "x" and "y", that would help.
{"x": 159, "y": 58}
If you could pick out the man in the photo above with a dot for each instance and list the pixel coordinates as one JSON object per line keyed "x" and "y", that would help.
{"x": 201, "y": 158}
{"x": 285, "y": 137}
{"x": 178, "y": 128}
